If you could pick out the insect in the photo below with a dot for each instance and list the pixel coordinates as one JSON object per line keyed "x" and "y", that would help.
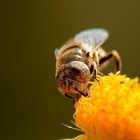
{"x": 80, "y": 59}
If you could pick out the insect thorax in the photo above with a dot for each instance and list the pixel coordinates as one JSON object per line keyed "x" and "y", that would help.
{"x": 72, "y": 51}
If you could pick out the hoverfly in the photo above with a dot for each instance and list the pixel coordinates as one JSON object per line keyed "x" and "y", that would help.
{"x": 80, "y": 59}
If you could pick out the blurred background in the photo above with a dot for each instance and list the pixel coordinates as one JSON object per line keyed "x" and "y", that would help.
{"x": 31, "y": 106}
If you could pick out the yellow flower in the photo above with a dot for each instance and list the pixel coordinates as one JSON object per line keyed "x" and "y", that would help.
{"x": 112, "y": 111}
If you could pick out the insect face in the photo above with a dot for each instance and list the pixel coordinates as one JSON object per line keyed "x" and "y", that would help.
{"x": 73, "y": 77}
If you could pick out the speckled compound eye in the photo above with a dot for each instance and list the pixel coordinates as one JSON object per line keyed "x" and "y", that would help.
{"x": 75, "y": 70}
{"x": 79, "y": 71}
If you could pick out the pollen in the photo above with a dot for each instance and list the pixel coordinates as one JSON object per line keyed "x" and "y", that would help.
{"x": 111, "y": 111}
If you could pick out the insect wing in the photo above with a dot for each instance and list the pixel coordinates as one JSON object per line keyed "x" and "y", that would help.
{"x": 56, "y": 52}
{"x": 92, "y": 37}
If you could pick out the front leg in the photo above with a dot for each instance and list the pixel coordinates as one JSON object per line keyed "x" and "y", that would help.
{"x": 95, "y": 70}
{"x": 95, "y": 64}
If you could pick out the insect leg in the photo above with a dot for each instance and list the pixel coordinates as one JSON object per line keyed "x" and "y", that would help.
{"x": 94, "y": 59}
{"x": 114, "y": 54}
{"x": 70, "y": 97}
{"x": 82, "y": 93}
{"x": 94, "y": 70}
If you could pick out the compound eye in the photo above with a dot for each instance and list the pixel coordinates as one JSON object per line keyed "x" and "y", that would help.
{"x": 79, "y": 71}
{"x": 75, "y": 70}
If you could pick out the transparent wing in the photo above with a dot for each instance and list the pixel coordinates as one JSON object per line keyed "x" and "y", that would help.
{"x": 93, "y": 37}
{"x": 56, "y": 52}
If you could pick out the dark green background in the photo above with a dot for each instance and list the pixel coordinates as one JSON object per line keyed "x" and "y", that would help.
{"x": 31, "y": 106}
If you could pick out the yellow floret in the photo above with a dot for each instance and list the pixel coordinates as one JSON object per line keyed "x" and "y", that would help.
{"x": 112, "y": 111}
